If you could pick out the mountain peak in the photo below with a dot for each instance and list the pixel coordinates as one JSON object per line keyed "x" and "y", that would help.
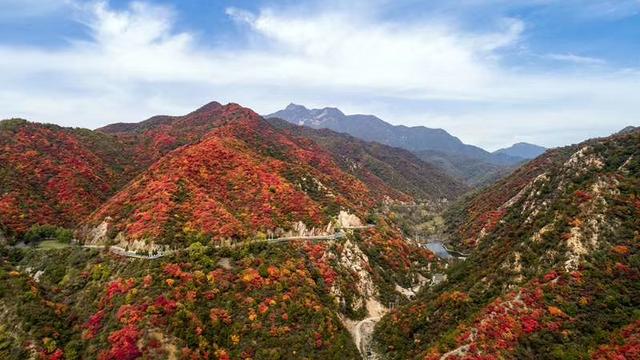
{"x": 372, "y": 128}
{"x": 628, "y": 129}
{"x": 292, "y": 107}
{"x": 330, "y": 111}
{"x": 522, "y": 150}
{"x": 212, "y": 106}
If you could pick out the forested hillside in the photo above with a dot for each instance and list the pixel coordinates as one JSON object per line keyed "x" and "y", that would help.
{"x": 377, "y": 165}
{"x": 57, "y": 176}
{"x": 553, "y": 270}
{"x": 206, "y": 190}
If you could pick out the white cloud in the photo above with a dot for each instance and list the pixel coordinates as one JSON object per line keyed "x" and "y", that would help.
{"x": 572, "y": 58}
{"x": 135, "y": 64}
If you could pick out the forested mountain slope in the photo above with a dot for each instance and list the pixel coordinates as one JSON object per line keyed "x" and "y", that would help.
{"x": 221, "y": 172}
{"x": 553, "y": 270}
{"x": 376, "y": 164}
{"x": 51, "y": 175}
{"x": 473, "y": 172}
{"x": 243, "y": 177}
{"x": 57, "y": 176}
{"x": 260, "y": 301}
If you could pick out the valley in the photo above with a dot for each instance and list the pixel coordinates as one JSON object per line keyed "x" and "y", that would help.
{"x": 221, "y": 235}
{"x": 319, "y": 180}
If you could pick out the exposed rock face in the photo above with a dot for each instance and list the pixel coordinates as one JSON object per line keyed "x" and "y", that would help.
{"x": 355, "y": 261}
{"x": 139, "y": 246}
{"x": 559, "y": 246}
{"x": 300, "y": 229}
{"x": 346, "y": 220}
{"x": 96, "y": 235}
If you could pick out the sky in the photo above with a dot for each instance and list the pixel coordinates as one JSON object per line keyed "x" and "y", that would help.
{"x": 492, "y": 72}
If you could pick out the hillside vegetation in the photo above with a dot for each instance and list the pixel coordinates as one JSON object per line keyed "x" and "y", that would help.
{"x": 203, "y": 192}
{"x": 554, "y": 265}
{"x": 57, "y": 176}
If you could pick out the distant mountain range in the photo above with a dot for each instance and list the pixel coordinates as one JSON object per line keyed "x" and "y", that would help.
{"x": 522, "y": 150}
{"x": 470, "y": 163}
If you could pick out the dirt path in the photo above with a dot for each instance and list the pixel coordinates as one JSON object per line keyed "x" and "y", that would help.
{"x": 363, "y": 334}
{"x": 362, "y": 331}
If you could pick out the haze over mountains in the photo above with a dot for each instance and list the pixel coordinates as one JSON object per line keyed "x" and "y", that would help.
{"x": 436, "y": 146}
{"x": 372, "y": 128}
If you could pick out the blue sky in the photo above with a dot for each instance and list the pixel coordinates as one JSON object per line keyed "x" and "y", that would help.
{"x": 491, "y": 72}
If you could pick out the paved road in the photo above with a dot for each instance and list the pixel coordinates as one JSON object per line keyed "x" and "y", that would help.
{"x": 123, "y": 252}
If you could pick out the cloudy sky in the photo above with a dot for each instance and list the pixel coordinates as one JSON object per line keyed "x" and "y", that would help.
{"x": 491, "y": 72}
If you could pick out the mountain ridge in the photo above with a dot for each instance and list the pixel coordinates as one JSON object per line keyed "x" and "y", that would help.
{"x": 372, "y": 128}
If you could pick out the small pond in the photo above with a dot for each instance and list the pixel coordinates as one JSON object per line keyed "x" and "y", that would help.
{"x": 438, "y": 248}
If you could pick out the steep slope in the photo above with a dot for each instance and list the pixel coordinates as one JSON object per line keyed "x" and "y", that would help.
{"x": 240, "y": 177}
{"x": 380, "y": 166}
{"x": 522, "y": 150}
{"x": 371, "y": 128}
{"x": 57, "y": 176}
{"x": 554, "y": 267}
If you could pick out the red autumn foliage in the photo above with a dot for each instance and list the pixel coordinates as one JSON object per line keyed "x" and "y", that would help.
{"x": 175, "y": 271}
{"x": 118, "y": 287}
{"x": 57, "y": 355}
{"x": 52, "y": 175}
{"x": 491, "y": 219}
{"x": 123, "y": 345}
{"x": 218, "y": 316}
{"x": 316, "y": 254}
{"x": 167, "y": 306}
{"x": 94, "y": 324}
{"x": 147, "y": 281}
{"x": 237, "y": 176}
{"x": 629, "y": 348}
{"x": 130, "y": 314}
{"x": 583, "y": 196}
{"x": 530, "y": 324}
{"x": 501, "y": 324}
{"x": 550, "y": 276}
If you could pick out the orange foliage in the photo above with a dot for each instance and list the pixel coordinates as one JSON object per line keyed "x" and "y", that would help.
{"x": 621, "y": 249}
